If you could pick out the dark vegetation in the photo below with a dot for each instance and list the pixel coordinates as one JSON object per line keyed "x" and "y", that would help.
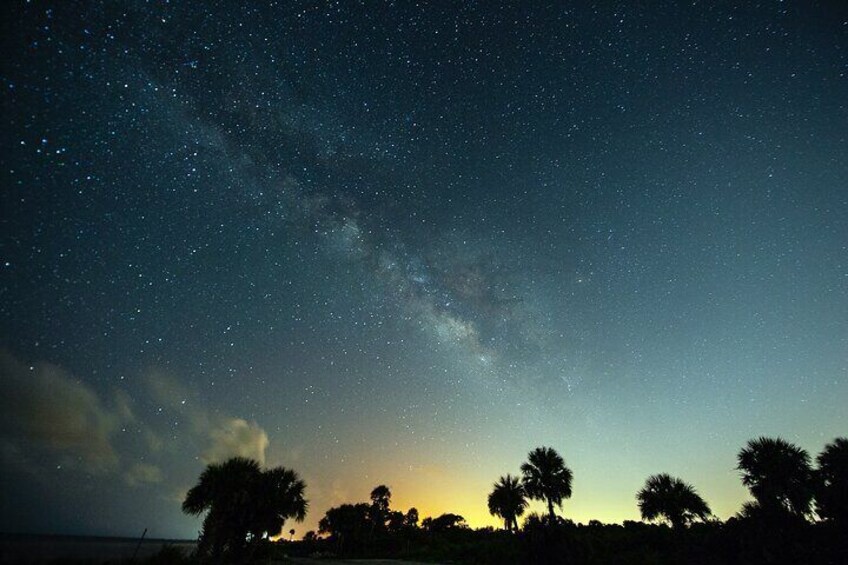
{"x": 243, "y": 506}
{"x": 798, "y": 514}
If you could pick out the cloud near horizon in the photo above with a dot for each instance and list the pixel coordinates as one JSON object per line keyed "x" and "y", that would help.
{"x": 44, "y": 408}
{"x": 49, "y": 418}
{"x": 235, "y": 437}
{"x": 222, "y": 436}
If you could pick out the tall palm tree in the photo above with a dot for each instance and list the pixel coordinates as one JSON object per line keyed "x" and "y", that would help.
{"x": 778, "y": 475}
{"x": 664, "y": 496}
{"x": 547, "y": 478}
{"x": 243, "y": 504}
{"x": 832, "y": 497}
{"x": 507, "y": 501}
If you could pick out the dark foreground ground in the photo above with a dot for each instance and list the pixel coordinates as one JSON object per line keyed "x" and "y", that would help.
{"x": 310, "y": 561}
{"x": 731, "y": 543}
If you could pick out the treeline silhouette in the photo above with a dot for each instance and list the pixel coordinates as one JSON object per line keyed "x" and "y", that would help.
{"x": 799, "y": 514}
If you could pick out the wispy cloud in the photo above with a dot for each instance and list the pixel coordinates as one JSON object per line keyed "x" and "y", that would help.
{"x": 220, "y": 436}
{"x": 42, "y": 407}
{"x": 50, "y": 418}
{"x": 143, "y": 473}
{"x": 235, "y": 437}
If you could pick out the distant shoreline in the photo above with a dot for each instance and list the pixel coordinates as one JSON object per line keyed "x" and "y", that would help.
{"x": 29, "y": 548}
{"x": 81, "y": 537}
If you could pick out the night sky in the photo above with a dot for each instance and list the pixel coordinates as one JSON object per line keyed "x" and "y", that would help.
{"x": 405, "y": 243}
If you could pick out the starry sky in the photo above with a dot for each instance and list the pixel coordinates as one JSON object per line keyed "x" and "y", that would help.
{"x": 404, "y": 243}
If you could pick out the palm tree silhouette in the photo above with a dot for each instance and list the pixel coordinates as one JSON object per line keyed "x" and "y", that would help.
{"x": 778, "y": 475}
{"x": 547, "y": 478}
{"x": 664, "y": 496}
{"x": 507, "y": 501}
{"x": 278, "y": 496}
{"x": 832, "y": 497}
{"x": 243, "y": 504}
{"x": 223, "y": 490}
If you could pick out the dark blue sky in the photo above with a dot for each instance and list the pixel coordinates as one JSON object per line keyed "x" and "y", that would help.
{"x": 405, "y": 244}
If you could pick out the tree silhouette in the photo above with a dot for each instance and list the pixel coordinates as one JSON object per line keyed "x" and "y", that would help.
{"x": 277, "y": 497}
{"x": 243, "y": 504}
{"x": 547, "y": 478}
{"x": 381, "y": 498}
{"x": 779, "y": 477}
{"x": 348, "y": 522}
{"x": 224, "y": 491}
{"x": 444, "y": 523}
{"x": 832, "y": 474}
{"x": 411, "y": 518}
{"x": 664, "y": 496}
{"x": 395, "y": 521}
{"x": 507, "y": 501}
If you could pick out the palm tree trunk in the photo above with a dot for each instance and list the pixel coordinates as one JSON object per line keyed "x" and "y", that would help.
{"x": 551, "y": 511}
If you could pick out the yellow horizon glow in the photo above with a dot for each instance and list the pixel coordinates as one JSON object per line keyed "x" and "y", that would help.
{"x": 434, "y": 491}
